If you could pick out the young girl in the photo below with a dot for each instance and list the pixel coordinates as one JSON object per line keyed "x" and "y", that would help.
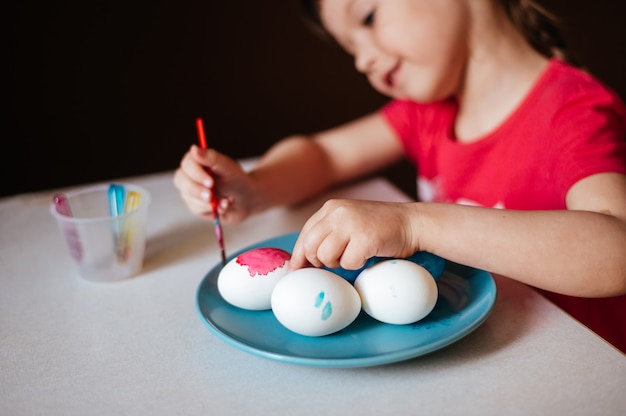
{"x": 521, "y": 157}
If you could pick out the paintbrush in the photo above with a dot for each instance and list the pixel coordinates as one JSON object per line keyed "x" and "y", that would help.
{"x": 213, "y": 199}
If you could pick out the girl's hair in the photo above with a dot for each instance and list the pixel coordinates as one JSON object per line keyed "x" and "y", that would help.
{"x": 539, "y": 27}
{"x": 311, "y": 10}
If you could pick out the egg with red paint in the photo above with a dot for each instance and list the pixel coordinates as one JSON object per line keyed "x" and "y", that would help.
{"x": 315, "y": 302}
{"x": 247, "y": 281}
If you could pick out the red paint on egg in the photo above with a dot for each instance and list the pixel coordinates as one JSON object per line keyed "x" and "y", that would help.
{"x": 263, "y": 261}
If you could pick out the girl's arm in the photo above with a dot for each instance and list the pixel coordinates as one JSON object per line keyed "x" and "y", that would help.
{"x": 580, "y": 251}
{"x": 300, "y": 167}
{"x": 294, "y": 169}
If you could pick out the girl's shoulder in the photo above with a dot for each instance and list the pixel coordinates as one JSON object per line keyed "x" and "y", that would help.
{"x": 566, "y": 83}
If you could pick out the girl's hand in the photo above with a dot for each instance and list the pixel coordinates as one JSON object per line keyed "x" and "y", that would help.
{"x": 347, "y": 232}
{"x": 233, "y": 186}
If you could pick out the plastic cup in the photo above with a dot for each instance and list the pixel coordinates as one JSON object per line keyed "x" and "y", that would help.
{"x": 104, "y": 247}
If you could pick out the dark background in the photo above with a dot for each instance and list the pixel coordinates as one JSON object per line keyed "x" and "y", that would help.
{"x": 99, "y": 90}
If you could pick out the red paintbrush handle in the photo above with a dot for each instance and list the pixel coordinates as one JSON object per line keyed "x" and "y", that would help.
{"x": 213, "y": 200}
{"x": 203, "y": 145}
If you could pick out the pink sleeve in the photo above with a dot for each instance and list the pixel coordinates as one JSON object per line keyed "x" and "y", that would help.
{"x": 418, "y": 125}
{"x": 591, "y": 130}
{"x": 400, "y": 117}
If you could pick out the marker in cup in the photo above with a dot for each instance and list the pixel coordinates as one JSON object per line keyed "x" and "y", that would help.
{"x": 105, "y": 229}
{"x": 62, "y": 206}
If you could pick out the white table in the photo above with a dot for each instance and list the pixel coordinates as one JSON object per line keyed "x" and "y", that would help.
{"x": 69, "y": 346}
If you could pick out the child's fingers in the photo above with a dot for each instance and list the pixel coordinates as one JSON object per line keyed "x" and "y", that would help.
{"x": 331, "y": 249}
{"x": 298, "y": 258}
{"x": 195, "y": 164}
{"x": 195, "y": 195}
{"x": 352, "y": 257}
{"x": 306, "y": 249}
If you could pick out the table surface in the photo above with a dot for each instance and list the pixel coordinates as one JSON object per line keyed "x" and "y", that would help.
{"x": 138, "y": 346}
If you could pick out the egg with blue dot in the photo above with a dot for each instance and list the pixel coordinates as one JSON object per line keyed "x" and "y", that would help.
{"x": 315, "y": 302}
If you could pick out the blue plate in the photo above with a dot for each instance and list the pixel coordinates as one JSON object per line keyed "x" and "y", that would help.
{"x": 466, "y": 298}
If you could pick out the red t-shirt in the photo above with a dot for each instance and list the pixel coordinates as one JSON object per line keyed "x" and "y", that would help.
{"x": 568, "y": 127}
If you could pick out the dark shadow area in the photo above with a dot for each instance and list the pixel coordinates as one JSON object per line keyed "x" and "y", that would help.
{"x": 101, "y": 90}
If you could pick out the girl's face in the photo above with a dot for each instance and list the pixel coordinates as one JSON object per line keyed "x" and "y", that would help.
{"x": 408, "y": 49}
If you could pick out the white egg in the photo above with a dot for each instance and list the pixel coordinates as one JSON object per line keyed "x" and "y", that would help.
{"x": 247, "y": 281}
{"x": 315, "y": 302}
{"x": 397, "y": 291}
